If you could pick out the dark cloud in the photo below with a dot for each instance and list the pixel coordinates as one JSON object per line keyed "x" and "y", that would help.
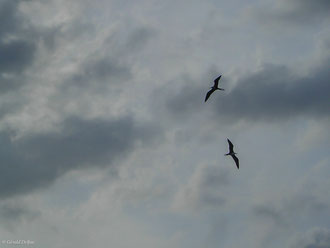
{"x": 18, "y": 45}
{"x": 36, "y": 160}
{"x": 10, "y": 21}
{"x": 16, "y": 55}
{"x": 274, "y": 93}
{"x": 321, "y": 5}
{"x": 18, "y": 52}
{"x": 299, "y": 12}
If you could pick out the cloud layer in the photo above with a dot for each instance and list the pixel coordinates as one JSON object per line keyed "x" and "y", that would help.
{"x": 105, "y": 136}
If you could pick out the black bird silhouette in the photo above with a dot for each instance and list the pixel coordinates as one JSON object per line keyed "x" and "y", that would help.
{"x": 232, "y": 153}
{"x": 213, "y": 88}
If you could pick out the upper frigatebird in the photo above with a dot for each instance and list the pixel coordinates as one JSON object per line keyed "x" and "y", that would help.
{"x": 232, "y": 153}
{"x": 213, "y": 88}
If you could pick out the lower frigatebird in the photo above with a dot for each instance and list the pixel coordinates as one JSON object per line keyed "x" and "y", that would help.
{"x": 232, "y": 153}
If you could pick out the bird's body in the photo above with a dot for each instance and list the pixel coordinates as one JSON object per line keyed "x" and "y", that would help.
{"x": 213, "y": 88}
{"x": 232, "y": 153}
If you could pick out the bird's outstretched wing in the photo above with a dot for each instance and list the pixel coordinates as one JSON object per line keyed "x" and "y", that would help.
{"x": 231, "y": 146}
{"x": 216, "y": 81}
{"x": 208, "y": 94}
{"x": 236, "y": 161}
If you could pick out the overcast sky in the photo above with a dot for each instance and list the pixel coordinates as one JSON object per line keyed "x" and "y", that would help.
{"x": 105, "y": 139}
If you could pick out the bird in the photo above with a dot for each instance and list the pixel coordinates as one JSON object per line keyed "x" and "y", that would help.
{"x": 213, "y": 88}
{"x": 232, "y": 153}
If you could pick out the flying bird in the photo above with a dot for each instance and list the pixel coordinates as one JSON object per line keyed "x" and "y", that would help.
{"x": 213, "y": 88}
{"x": 232, "y": 153}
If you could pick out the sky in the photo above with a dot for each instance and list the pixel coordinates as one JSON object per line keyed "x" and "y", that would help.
{"x": 105, "y": 137}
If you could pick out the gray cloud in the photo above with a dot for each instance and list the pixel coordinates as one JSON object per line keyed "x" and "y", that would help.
{"x": 205, "y": 189}
{"x": 110, "y": 65}
{"x": 281, "y": 216}
{"x": 128, "y": 40}
{"x": 270, "y": 213}
{"x": 95, "y": 75}
{"x": 315, "y": 238}
{"x": 112, "y": 60}
{"x": 288, "y": 210}
{"x": 36, "y": 160}
{"x": 138, "y": 38}
{"x": 185, "y": 101}
{"x": 12, "y": 213}
{"x": 104, "y": 68}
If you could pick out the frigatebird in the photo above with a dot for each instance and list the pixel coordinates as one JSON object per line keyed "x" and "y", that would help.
{"x": 232, "y": 153}
{"x": 213, "y": 88}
